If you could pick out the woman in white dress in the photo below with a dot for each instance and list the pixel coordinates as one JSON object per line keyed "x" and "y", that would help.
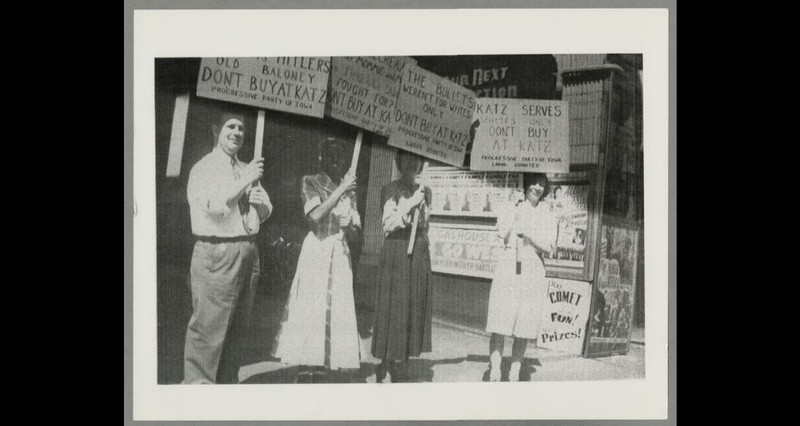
{"x": 319, "y": 330}
{"x": 519, "y": 289}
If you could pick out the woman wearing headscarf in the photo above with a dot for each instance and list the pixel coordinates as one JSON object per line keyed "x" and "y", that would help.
{"x": 402, "y": 326}
{"x": 319, "y": 330}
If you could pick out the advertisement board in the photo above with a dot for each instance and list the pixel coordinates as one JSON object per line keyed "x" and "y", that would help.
{"x": 613, "y": 295}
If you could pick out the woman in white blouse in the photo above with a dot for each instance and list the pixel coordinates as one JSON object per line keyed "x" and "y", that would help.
{"x": 518, "y": 291}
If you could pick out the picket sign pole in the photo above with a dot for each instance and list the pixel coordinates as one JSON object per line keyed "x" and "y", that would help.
{"x": 354, "y": 162}
{"x": 178, "y": 135}
{"x": 356, "y": 151}
{"x": 415, "y": 223}
{"x": 258, "y": 151}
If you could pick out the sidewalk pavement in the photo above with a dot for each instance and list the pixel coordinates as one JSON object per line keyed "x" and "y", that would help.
{"x": 459, "y": 354}
{"x": 462, "y": 356}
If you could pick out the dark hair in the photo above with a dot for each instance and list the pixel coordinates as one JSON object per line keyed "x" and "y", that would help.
{"x": 221, "y": 117}
{"x": 401, "y": 153}
{"x": 331, "y": 143}
{"x": 529, "y": 179}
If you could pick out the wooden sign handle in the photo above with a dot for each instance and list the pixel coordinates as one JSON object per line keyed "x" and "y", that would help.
{"x": 177, "y": 137}
{"x": 415, "y": 223}
{"x": 354, "y": 161}
{"x": 258, "y": 150}
{"x": 356, "y": 151}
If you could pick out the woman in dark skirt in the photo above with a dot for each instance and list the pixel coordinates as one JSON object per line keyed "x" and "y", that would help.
{"x": 403, "y": 298}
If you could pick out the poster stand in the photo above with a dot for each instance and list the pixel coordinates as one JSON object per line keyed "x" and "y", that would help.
{"x": 611, "y": 240}
{"x": 593, "y": 94}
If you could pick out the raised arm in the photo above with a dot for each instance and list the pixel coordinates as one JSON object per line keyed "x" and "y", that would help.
{"x": 398, "y": 214}
{"x": 205, "y": 190}
{"x": 315, "y": 209}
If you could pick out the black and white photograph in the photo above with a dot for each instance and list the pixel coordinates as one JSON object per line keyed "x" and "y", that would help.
{"x": 285, "y": 245}
{"x": 328, "y": 223}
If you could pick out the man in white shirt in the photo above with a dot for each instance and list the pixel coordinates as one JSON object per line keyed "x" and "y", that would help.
{"x": 227, "y": 205}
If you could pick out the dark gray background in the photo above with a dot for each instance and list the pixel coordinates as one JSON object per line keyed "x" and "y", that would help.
{"x": 130, "y": 5}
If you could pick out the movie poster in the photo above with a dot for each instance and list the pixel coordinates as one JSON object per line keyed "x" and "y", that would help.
{"x": 569, "y": 206}
{"x": 612, "y": 308}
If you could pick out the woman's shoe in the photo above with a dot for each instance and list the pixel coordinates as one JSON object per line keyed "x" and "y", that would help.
{"x": 494, "y": 374}
{"x": 495, "y": 359}
{"x": 513, "y": 372}
{"x": 399, "y": 372}
{"x": 382, "y": 373}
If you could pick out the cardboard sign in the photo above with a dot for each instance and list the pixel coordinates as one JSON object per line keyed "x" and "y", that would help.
{"x": 467, "y": 252}
{"x": 467, "y": 193}
{"x": 291, "y": 84}
{"x": 433, "y": 117}
{"x": 565, "y": 315}
{"x": 364, "y": 89}
{"x": 521, "y": 135}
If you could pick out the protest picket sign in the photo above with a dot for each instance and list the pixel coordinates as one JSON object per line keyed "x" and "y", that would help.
{"x": 258, "y": 151}
{"x": 521, "y": 135}
{"x": 291, "y": 84}
{"x": 433, "y": 116}
{"x": 364, "y": 89}
{"x": 176, "y": 139}
{"x": 415, "y": 223}
{"x": 565, "y": 315}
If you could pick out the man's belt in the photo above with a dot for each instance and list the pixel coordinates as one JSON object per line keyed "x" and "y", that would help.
{"x": 220, "y": 240}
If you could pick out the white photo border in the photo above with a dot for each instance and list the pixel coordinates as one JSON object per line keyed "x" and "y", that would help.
{"x": 199, "y": 33}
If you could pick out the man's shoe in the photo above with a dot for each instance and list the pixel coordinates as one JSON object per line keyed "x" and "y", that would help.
{"x": 319, "y": 377}
{"x": 304, "y": 377}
